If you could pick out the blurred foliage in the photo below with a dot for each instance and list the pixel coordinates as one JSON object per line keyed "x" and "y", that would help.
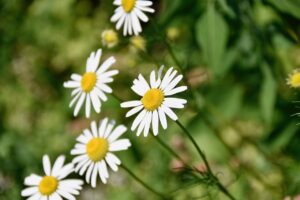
{"x": 236, "y": 56}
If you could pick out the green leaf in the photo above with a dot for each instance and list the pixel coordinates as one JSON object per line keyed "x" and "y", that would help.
{"x": 212, "y": 35}
{"x": 285, "y": 137}
{"x": 291, "y": 7}
{"x": 267, "y": 94}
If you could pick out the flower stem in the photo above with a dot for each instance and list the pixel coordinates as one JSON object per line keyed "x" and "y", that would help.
{"x": 143, "y": 183}
{"x": 203, "y": 157}
{"x": 169, "y": 149}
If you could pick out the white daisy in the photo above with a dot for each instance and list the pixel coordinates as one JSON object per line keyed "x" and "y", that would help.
{"x": 94, "y": 150}
{"x": 92, "y": 85}
{"x": 129, "y": 13}
{"x": 52, "y": 186}
{"x": 155, "y": 102}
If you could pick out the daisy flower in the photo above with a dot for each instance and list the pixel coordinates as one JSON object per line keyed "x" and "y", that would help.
{"x": 294, "y": 79}
{"x": 156, "y": 101}
{"x": 129, "y": 13}
{"x": 52, "y": 186}
{"x": 94, "y": 150}
{"x": 92, "y": 85}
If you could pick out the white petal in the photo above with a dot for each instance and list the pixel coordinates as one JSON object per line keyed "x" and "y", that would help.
{"x": 58, "y": 165}
{"x": 76, "y": 77}
{"x": 117, "y": 15}
{"x": 104, "y": 88}
{"x": 113, "y": 161}
{"x": 174, "y": 102}
{"x": 79, "y": 104}
{"x": 148, "y": 124}
{"x": 117, "y": 132}
{"x": 173, "y": 83}
{"x": 119, "y": 145}
{"x": 129, "y": 104}
{"x": 71, "y": 84}
{"x": 32, "y": 180}
{"x": 167, "y": 79}
{"x": 94, "y": 129}
{"x": 143, "y": 123}
{"x": 102, "y": 173}
{"x": 75, "y": 99}
{"x": 144, "y": 3}
{"x": 55, "y": 196}
{"x": 47, "y": 165}
{"x": 88, "y": 133}
{"x": 143, "y": 82}
{"x": 145, "y": 9}
{"x": 96, "y": 102}
{"x": 169, "y": 112}
{"x": 66, "y": 195}
{"x": 121, "y": 22}
{"x": 65, "y": 171}
{"x": 85, "y": 166}
{"x": 107, "y": 64}
{"x": 176, "y": 90}
{"x": 162, "y": 118}
{"x": 138, "y": 119}
{"x": 81, "y": 164}
{"x": 94, "y": 177}
{"x": 29, "y": 191}
{"x": 153, "y": 80}
{"x": 108, "y": 130}
{"x": 37, "y": 196}
{"x": 134, "y": 110}
{"x": 108, "y": 74}
{"x": 155, "y": 122}
{"x": 83, "y": 139}
{"x": 102, "y": 127}
{"x": 100, "y": 94}
{"x": 87, "y": 106}
{"x": 89, "y": 173}
{"x": 76, "y": 91}
{"x": 125, "y": 25}
{"x": 140, "y": 15}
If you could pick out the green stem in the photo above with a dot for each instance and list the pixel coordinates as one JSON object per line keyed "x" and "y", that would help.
{"x": 202, "y": 155}
{"x": 143, "y": 183}
{"x": 171, "y": 151}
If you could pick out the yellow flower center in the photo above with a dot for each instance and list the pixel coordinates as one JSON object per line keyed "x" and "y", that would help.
{"x": 48, "y": 185}
{"x": 152, "y": 99}
{"x": 128, "y": 5}
{"x": 97, "y": 148}
{"x": 295, "y": 80}
{"x": 88, "y": 81}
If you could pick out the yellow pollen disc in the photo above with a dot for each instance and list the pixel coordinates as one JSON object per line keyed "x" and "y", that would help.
{"x": 128, "y": 5}
{"x": 88, "y": 81}
{"x": 48, "y": 185}
{"x": 152, "y": 99}
{"x": 295, "y": 80}
{"x": 97, "y": 148}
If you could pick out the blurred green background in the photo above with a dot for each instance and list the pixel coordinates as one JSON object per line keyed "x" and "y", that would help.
{"x": 236, "y": 56}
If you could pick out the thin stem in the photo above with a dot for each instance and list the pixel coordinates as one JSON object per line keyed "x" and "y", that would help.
{"x": 202, "y": 155}
{"x": 169, "y": 149}
{"x": 143, "y": 183}
{"x": 164, "y": 40}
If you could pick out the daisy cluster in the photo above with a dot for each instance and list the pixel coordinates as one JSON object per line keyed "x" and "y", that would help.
{"x": 96, "y": 147}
